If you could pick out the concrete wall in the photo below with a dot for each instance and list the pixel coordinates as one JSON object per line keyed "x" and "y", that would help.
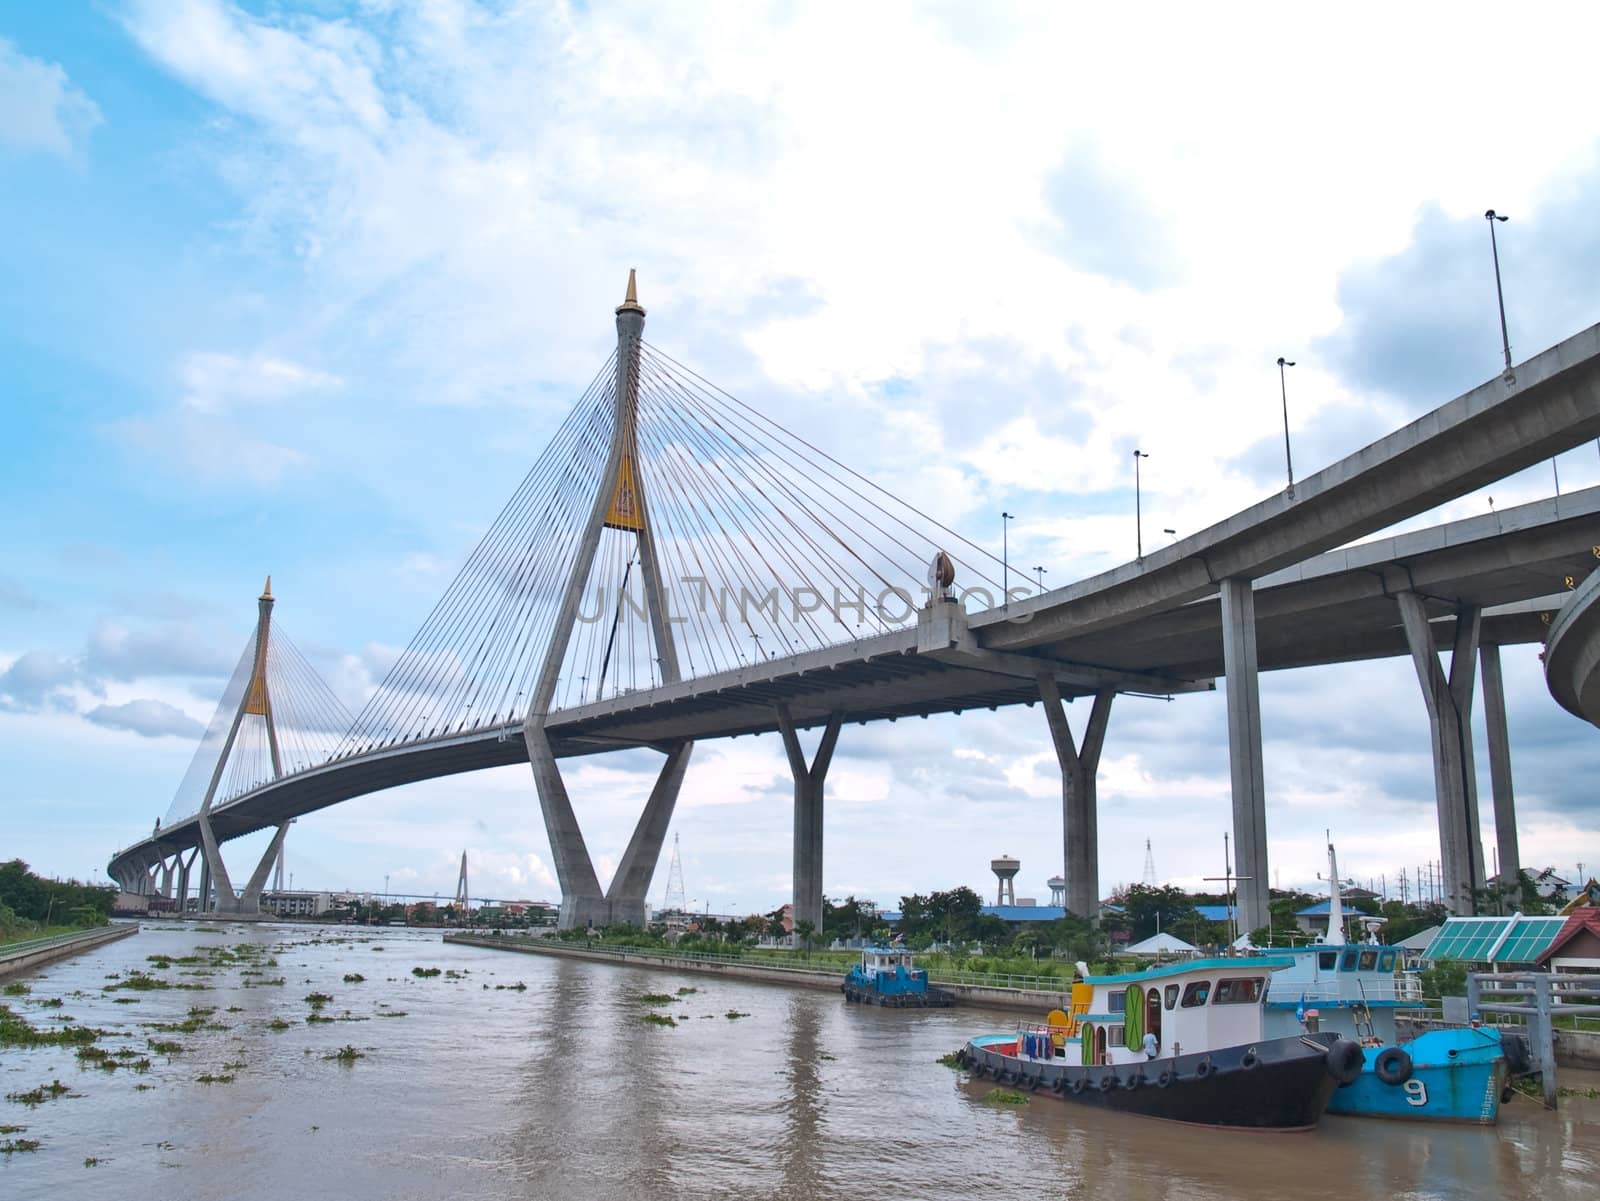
{"x": 15, "y": 962}
{"x": 1023, "y": 1000}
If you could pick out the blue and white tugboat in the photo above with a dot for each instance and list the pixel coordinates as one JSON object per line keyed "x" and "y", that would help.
{"x": 1183, "y": 1042}
{"x": 1357, "y": 991}
{"x": 886, "y": 976}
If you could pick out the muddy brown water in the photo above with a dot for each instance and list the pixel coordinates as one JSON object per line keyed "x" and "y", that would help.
{"x": 561, "y": 1089}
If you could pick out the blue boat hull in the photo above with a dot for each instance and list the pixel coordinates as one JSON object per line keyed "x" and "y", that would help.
{"x": 1455, "y": 1076}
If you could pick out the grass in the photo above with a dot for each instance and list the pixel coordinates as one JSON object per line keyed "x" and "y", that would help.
{"x": 951, "y": 1060}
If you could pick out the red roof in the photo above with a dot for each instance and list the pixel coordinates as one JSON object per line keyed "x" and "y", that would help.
{"x": 1587, "y": 918}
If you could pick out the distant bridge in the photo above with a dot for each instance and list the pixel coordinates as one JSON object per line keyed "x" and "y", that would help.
{"x": 800, "y": 603}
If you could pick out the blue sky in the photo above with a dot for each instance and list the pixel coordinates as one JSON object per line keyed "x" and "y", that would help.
{"x": 302, "y": 289}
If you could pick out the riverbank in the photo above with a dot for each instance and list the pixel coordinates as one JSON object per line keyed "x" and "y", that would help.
{"x": 1036, "y": 1001}
{"x": 35, "y": 952}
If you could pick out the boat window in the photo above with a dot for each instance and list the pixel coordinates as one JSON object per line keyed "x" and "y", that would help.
{"x": 1369, "y": 961}
{"x": 1327, "y": 960}
{"x": 1115, "y": 1035}
{"x": 1240, "y": 990}
{"x": 1117, "y": 1002}
{"x": 1172, "y": 996}
{"x": 1348, "y": 963}
{"x": 1196, "y": 993}
{"x": 1386, "y": 962}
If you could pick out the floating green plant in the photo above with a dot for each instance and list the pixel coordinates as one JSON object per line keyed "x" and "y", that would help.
{"x": 659, "y": 1019}
{"x": 277, "y": 1024}
{"x": 685, "y": 991}
{"x": 734, "y": 1013}
{"x": 164, "y": 1046}
{"x": 317, "y": 999}
{"x": 90, "y": 1161}
{"x": 655, "y": 998}
{"x": 209, "y": 1078}
{"x": 17, "y": 989}
{"x": 16, "y": 1031}
{"x": 314, "y": 1017}
{"x": 1005, "y": 1096}
{"x": 354, "y": 978}
{"x": 425, "y": 972}
{"x": 41, "y": 1094}
{"x": 950, "y": 1060}
{"x": 49, "y": 1003}
{"x": 13, "y": 1146}
{"x": 393, "y": 1013}
{"x": 346, "y": 1054}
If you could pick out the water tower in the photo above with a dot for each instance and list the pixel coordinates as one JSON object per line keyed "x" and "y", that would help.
{"x": 1058, "y": 891}
{"x": 1005, "y": 869}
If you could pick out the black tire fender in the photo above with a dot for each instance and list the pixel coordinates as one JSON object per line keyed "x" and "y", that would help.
{"x": 1134, "y": 1082}
{"x": 1203, "y": 1068}
{"x": 1392, "y": 1065}
{"x": 1079, "y": 1083}
{"x": 1346, "y": 1061}
{"x": 1250, "y": 1061}
{"x": 1164, "y": 1080}
{"x": 1107, "y": 1082}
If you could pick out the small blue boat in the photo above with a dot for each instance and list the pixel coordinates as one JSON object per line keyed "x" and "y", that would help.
{"x": 1358, "y": 990}
{"x": 885, "y": 976}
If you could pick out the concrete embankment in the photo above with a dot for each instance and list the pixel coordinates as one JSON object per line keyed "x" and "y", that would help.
{"x": 22, "y": 957}
{"x": 1037, "y": 1002}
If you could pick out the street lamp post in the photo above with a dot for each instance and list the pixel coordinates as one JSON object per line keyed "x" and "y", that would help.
{"x": 1283, "y": 388}
{"x": 1005, "y": 556}
{"x": 1138, "y": 518}
{"x": 1039, "y": 571}
{"x": 1505, "y": 339}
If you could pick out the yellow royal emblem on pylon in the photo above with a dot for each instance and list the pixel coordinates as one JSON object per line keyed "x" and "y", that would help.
{"x": 257, "y": 701}
{"x": 625, "y": 512}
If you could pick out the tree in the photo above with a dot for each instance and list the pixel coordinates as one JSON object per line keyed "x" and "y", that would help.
{"x": 1148, "y": 909}
{"x": 804, "y": 931}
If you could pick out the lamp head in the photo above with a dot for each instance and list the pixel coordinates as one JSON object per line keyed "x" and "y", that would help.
{"x": 1283, "y": 362}
{"x": 1491, "y": 215}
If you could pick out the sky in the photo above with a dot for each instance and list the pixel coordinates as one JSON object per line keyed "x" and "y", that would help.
{"x": 304, "y": 289}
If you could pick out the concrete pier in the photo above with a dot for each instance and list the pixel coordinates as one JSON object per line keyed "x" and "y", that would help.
{"x": 1244, "y": 752}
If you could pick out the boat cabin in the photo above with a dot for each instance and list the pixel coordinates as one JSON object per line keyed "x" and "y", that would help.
{"x": 1351, "y": 989}
{"x": 890, "y": 971}
{"x": 1187, "y": 1008}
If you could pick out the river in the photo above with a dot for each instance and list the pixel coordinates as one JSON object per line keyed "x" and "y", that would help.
{"x": 520, "y": 1076}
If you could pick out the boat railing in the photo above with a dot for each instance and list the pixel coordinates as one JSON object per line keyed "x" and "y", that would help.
{"x": 1285, "y": 991}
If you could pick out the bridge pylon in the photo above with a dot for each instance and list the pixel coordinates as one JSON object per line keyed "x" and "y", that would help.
{"x": 619, "y": 504}
{"x": 256, "y": 701}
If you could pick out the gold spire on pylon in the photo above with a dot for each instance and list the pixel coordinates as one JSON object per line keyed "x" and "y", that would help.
{"x": 630, "y": 303}
{"x": 266, "y": 592}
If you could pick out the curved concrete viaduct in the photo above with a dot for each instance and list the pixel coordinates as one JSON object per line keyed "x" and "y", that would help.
{"x": 1572, "y": 651}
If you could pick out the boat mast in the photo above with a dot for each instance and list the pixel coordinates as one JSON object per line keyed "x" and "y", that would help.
{"x": 1335, "y": 935}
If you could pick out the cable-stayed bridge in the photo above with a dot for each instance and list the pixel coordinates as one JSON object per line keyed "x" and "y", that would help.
{"x": 677, "y": 567}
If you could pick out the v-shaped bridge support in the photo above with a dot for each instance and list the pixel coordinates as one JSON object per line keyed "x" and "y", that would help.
{"x": 256, "y": 701}
{"x": 621, "y": 503}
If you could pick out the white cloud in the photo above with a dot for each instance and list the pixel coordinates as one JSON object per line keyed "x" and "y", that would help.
{"x": 148, "y": 718}
{"x": 44, "y": 110}
{"x": 214, "y": 383}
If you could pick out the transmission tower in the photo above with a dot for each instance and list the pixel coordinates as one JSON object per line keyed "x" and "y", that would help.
{"x": 1149, "y": 866}
{"x": 674, "y": 901}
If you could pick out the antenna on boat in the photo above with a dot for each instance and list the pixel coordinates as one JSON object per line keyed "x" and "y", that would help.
{"x": 1228, "y": 880}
